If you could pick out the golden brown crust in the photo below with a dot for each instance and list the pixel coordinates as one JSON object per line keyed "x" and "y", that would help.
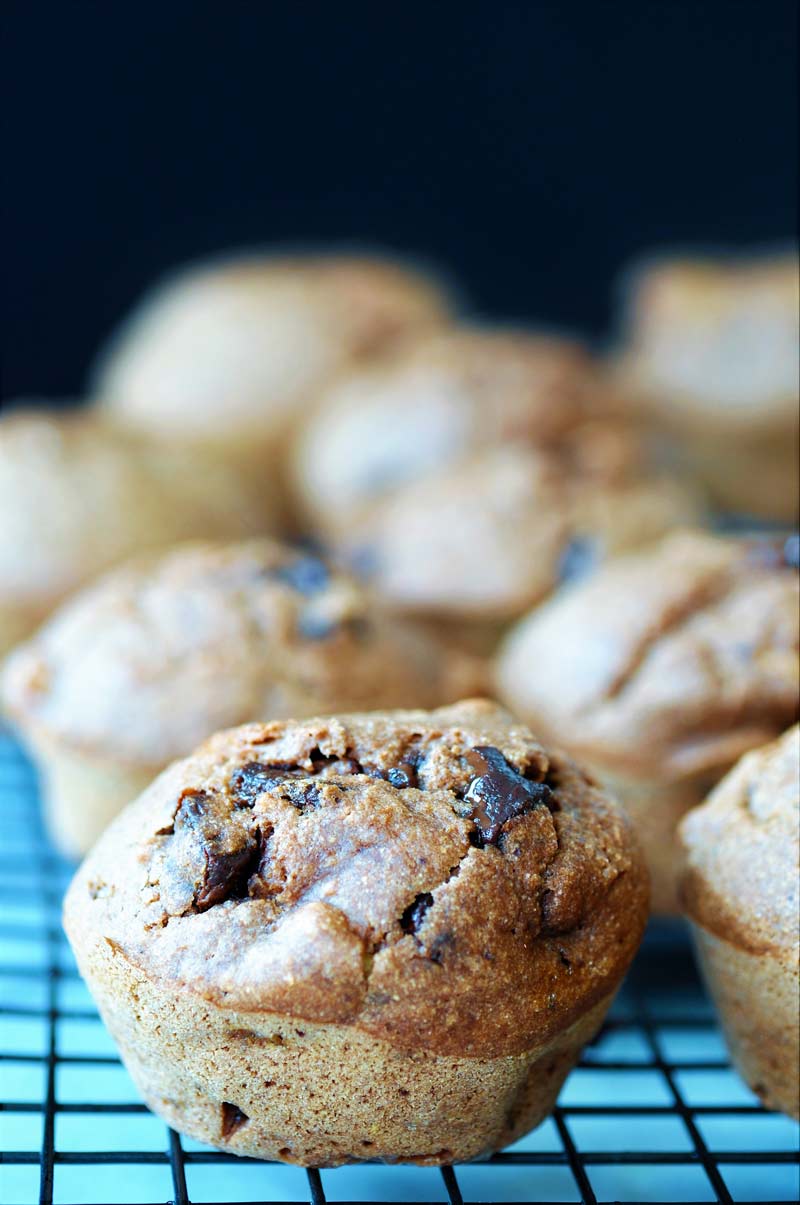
{"x": 670, "y": 663}
{"x": 436, "y": 880}
{"x": 157, "y": 655}
{"x": 743, "y": 853}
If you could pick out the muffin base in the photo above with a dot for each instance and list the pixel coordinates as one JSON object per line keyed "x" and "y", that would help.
{"x": 758, "y": 1000}
{"x": 82, "y": 793}
{"x": 319, "y": 1095}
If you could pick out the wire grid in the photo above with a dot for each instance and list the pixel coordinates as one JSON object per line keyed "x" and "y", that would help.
{"x": 653, "y": 1113}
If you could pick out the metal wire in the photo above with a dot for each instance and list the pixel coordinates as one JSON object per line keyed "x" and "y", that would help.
{"x": 647, "y": 1011}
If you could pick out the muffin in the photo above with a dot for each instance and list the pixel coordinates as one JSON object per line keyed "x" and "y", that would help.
{"x": 155, "y": 656}
{"x": 711, "y": 346}
{"x": 740, "y": 893}
{"x": 77, "y": 496}
{"x": 473, "y": 547}
{"x": 227, "y": 355}
{"x": 660, "y": 670}
{"x": 378, "y": 936}
{"x": 437, "y": 400}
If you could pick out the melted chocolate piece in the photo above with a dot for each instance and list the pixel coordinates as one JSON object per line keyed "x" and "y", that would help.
{"x": 412, "y": 918}
{"x": 230, "y": 854}
{"x": 253, "y": 779}
{"x": 404, "y": 775}
{"x": 498, "y": 792}
{"x": 232, "y": 1119}
{"x": 307, "y": 575}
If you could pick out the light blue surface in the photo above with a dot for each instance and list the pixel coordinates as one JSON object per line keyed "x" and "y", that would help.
{"x": 80, "y": 1037}
{"x": 644, "y": 1183}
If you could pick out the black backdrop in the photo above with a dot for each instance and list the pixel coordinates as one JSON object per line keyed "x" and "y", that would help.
{"x": 530, "y": 147}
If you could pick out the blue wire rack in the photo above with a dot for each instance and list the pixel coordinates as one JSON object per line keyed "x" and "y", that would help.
{"x": 654, "y": 1112}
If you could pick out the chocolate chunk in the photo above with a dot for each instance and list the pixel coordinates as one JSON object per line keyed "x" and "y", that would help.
{"x": 253, "y": 779}
{"x": 404, "y": 775}
{"x": 232, "y": 1119}
{"x": 412, "y": 918}
{"x": 498, "y": 792}
{"x": 307, "y": 575}
{"x": 302, "y": 795}
{"x": 228, "y": 853}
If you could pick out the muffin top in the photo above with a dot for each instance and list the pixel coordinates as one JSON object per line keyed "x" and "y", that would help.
{"x": 158, "y": 654}
{"x": 436, "y": 400}
{"x": 718, "y": 334}
{"x": 76, "y": 496}
{"x": 743, "y": 852}
{"x": 668, "y": 663}
{"x": 435, "y": 879}
{"x": 490, "y": 535}
{"x": 231, "y": 347}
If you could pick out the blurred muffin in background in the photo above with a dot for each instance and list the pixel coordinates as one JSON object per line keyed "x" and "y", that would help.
{"x": 471, "y": 548}
{"x": 435, "y": 401}
{"x": 710, "y": 346}
{"x": 77, "y": 496}
{"x": 157, "y": 655}
{"x": 662, "y": 669}
{"x": 228, "y": 354}
{"x": 464, "y": 475}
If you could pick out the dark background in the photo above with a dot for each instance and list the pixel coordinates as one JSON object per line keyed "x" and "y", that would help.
{"x": 531, "y": 148}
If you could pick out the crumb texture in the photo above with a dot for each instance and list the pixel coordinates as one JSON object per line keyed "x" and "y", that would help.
{"x": 743, "y": 853}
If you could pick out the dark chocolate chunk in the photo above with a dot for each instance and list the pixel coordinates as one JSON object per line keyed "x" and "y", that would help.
{"x": 232, "y": 1119}
{"x": 307, "y": 575}
{"x": 253, "y": 779}
{"x": 498, "y": 792}
{"x": 404, "y": 775}
{"x": 228, "y": 854}
{"x": 412, "y": 918}
{"x": 301, "y": 795}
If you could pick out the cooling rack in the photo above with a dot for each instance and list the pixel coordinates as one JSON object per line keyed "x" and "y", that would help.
{"x": 654, "y": 1112}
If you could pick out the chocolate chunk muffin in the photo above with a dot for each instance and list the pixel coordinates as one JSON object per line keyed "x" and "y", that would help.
{"x": 711, "y": 347}
{"x": 228, "y": 355}
{"x": 77, "y": 496}
{"x": 157, "y": 655}
{"x": 740, "y": 891}
{"x": 660, "y": 671}
{"x": 437, "y": 400}
{"x": 380, "y": 936}
{"x": 473, "y": 547}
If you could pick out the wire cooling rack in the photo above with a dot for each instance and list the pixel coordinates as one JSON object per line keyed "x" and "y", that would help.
{"x": 654, "y": 1112}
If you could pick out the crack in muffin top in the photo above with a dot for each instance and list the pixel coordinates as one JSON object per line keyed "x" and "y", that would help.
{"x": 675, "y": 660}
{"x": 437, "y": 879}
